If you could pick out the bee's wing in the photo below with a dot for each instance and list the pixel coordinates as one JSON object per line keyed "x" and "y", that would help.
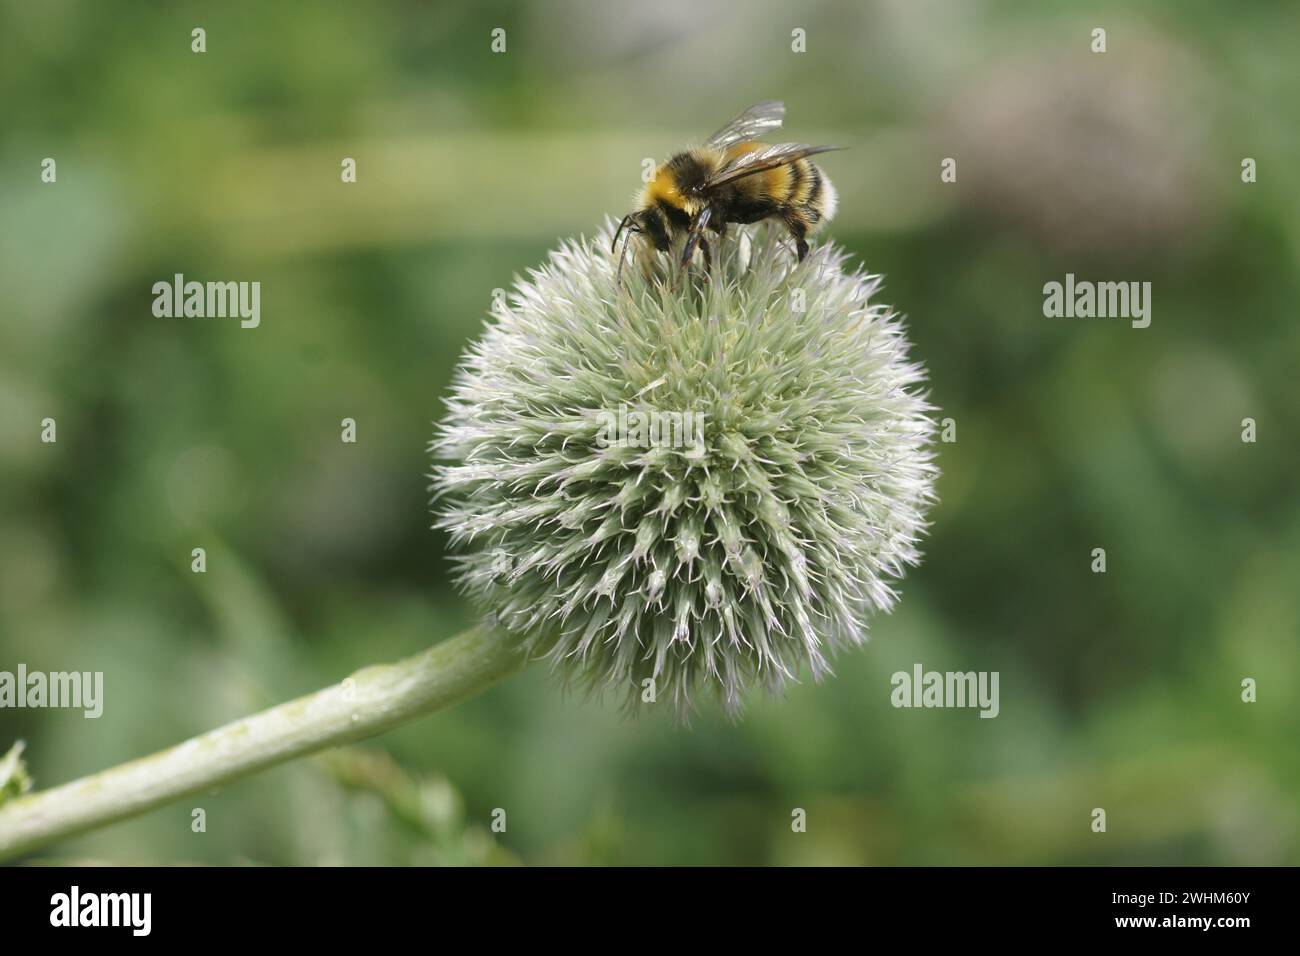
{"x": 749, "y": 124}
{"x": 758, "y": 160}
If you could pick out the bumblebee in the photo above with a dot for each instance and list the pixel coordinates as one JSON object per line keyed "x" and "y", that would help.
{"x": 732, "y": 178}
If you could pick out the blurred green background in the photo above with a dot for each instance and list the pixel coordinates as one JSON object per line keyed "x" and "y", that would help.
{"x": 1118, "y": 690}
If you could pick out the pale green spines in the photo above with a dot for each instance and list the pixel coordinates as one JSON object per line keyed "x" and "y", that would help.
{"x": 744, "y": 558}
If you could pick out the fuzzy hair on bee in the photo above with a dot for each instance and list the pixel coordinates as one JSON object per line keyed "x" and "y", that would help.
{"x": 731, "y": 179}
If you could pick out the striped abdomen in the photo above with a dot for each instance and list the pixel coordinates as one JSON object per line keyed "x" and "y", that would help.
{"x": 799, "y": 188}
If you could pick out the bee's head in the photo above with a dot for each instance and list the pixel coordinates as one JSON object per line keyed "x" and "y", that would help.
{"x": 647, "y": 222}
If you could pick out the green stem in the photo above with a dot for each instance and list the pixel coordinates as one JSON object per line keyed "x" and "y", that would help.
{"x": 369, "y": 702}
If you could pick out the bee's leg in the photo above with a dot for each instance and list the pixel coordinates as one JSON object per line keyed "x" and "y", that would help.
{"x": 798, "y": 231}
{"x": 695, "y": 234}
{"x": 708, "y": 256}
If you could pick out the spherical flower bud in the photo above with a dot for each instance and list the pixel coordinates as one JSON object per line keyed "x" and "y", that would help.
{"x": 710, "y": 482}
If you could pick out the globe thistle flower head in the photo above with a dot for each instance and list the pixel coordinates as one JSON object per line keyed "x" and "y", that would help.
{"x": 669, "y": 487}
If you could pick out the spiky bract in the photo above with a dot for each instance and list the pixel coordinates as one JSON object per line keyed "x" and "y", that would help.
{"x": 743, "y": 560}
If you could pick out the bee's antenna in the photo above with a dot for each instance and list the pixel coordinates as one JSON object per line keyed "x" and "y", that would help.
{"x": 618, "y": 273}
{"x": 623, "y": 223}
